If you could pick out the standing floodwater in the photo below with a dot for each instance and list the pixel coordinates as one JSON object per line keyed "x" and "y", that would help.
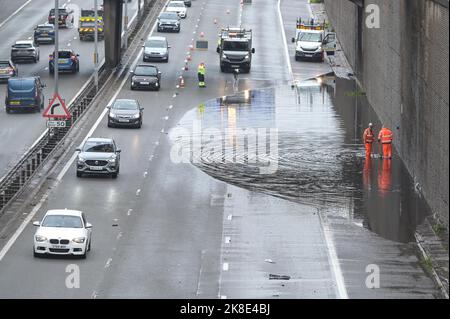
{"x": 304, "y": 144}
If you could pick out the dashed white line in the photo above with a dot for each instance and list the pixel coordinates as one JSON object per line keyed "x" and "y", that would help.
{"x": 230, "y": 217}
{"x": 138, "y": 192}
{"x": 145, "y": 174}
{"x": 108, "y": 262}
{"x": 129, "y": 212}
{"x": 227, "y": 239}
{"x": 225, "y": 266}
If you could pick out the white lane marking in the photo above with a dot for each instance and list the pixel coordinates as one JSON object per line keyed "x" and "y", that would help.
{"x": 174, "y": 96}
{"x": 129, "y": 212}
{"x": 286, "y": 50}
{"x": 223, "y": 297}
{"x": 145, "y": 174}
{"x": 119, "y": 235}
{"x": 334, "y": 261}
{"x": 22, "y": 226}
{"x": 229, "y": 217}
{"x": 225, "y": 266}
{"x": 166, "y": 118}
{"x": 162, "y": 131}
{"x": 138, "y": 192}
{"x": 227, "y": 239}
{"x": 108, "y": 262}
{"x": 14, "y": 13}
{"x": 170, "y": 106}
{"x": 94, "y": 295}
{"x": 310, "y": 10}
{"x": 156, "y": 143}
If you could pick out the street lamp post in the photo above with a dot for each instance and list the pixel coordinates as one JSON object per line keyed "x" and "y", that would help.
{"x": 56, "y": 53}
{"x": 96, "y": 46}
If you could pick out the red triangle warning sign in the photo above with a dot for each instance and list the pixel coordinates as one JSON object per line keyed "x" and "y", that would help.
{"x": 57, "y": 109}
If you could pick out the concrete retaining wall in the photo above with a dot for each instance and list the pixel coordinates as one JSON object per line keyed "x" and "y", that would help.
{"x": 403, "y": 67}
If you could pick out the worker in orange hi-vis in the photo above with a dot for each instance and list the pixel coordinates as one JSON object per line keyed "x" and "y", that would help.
{"x": 385, "y": 138}
{"x": 368, "y": 138}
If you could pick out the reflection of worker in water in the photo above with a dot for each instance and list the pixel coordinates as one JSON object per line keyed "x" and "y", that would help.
{"x": 384, "y": 177}
{"x": 368, "y": 138}
{"x": 385, "y": 138}
{"x": 367, "y": 171}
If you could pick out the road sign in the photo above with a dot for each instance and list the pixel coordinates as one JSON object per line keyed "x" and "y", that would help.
{"x": 52, "y": 123}
{"x": 57, "y": 109}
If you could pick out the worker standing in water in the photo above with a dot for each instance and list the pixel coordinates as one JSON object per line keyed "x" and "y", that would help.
{"x": 385, "y": 137}
{"x": 368, "y": 138}
{"x": 201, "y": 74}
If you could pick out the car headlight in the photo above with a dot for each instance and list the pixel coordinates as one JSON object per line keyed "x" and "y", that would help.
{"x": 80, "y": 160}
{"x": 156, "y": 84}
{"x": 136, "y": 116}
{"x": 79, "y": 240}
{"x": 225, "y": 56}
{"x": 112, "y": 160}
{"x": 40, "y": 238}
{"x": 112, "y": 115}
{"x": 247, "y": 56}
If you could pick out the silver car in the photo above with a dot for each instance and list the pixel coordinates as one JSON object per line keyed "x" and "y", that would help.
{"x": 25, "y": 50}
{"x": 156, "y": 49}
{"x": 98, "y": 156}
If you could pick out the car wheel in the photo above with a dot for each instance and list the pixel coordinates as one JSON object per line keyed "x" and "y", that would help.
{"x": 35, "y": 254}
{"x": 167, "y": 60}
{"x": 37, "y": 108}
{"x": 114, "y": 175}
{"x": 109, "y": 124}
{"x": 89, "y": 247}
{"x": 79, "y": 174}
{"x": 84, "y": 255}
{"x": 222, "y": 68}
{"x": 139, "y": 125}
{"x": 8, "y": 110}
{"x": 36, "y": 59}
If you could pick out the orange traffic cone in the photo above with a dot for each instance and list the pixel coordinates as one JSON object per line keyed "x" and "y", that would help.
{"x": 181, "y": 82}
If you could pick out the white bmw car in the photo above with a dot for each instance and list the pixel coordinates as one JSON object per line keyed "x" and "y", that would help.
{"x": 62, "y": 232}
{"x": 178, "y": 7}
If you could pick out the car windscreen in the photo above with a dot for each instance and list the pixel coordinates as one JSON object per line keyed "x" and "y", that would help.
{"x": 22, "y": 46}
{"x": 98, "y": 147}
{"x": 62, "y": 221}
{"x": 145, "y": 70}
{"x": 176, "y": 5}
{"x": 61, "y": 11}
{"x": 155, "y": 44}
{"x": 169, "y": 16}
{"x": 124, "y": 105}
{"x": 4, "y": 64}
{"x": 64, "y": 55}
{"x": 310, "y": 37}
{"x": 235, "y": 46}
{"x": 45, "y": 29}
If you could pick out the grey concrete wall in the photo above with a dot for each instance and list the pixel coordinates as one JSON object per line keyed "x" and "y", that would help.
{"x": 403, "y": 67}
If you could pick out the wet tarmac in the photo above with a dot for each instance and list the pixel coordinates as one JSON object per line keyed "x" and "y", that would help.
{"x": 304, "y": 144}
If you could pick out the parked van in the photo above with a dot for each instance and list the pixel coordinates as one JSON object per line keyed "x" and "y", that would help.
{"x": 24, "y": 94}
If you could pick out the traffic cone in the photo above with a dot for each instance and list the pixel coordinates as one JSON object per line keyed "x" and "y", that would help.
{"x": 181, "y": 82}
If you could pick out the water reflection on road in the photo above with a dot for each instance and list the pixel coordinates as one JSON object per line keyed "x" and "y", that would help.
{"x": 319, "y": 158}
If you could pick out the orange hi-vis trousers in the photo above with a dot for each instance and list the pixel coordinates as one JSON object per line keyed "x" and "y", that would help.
{"x": 387, "y": 150}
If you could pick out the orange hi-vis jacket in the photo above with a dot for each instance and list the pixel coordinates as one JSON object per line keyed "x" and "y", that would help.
{"x": 385, "y": 136}
{"x": 368, "y": 135}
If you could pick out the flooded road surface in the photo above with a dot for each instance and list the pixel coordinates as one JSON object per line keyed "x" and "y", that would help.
{"x": 304, "y": 144}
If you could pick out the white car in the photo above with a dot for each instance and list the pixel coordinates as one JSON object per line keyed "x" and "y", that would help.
{"x": 178, "y": 7}
{"x": 62, "y": 232}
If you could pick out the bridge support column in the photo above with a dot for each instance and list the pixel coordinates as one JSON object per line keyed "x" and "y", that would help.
{"x": 113, "y": 30}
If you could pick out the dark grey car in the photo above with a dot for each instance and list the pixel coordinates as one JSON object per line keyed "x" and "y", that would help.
{"x": 125, "y": 112}
{"x": 146, "y": 76}
{"x": 98, "y": 156}
{"x": 25, "y": 50}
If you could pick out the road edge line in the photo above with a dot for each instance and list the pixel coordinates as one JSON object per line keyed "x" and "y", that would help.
{"x": 14, "y": 13}
{"x": 286, "y": 49}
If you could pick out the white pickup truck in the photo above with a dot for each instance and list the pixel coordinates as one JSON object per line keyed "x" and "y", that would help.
{"x": 312, "y": 40}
